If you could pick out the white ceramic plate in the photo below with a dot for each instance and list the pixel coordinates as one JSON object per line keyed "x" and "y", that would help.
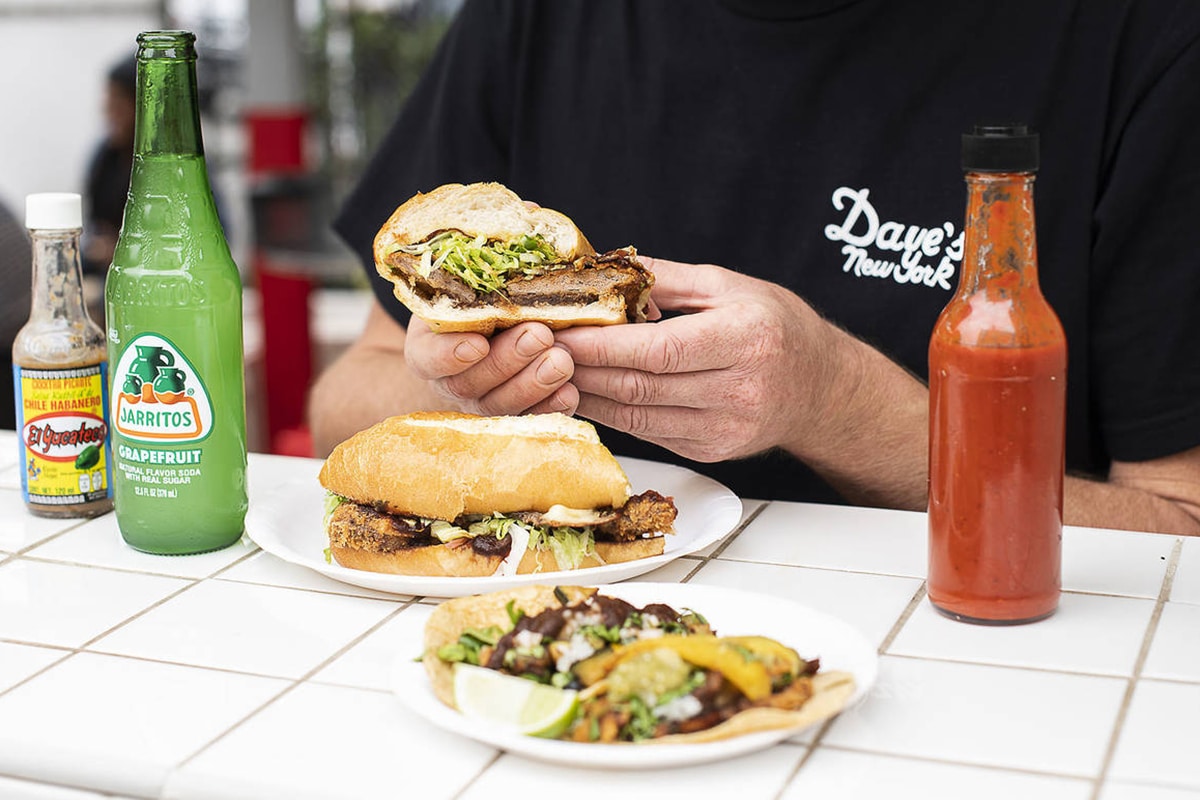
{"x": 288, "y": 524}
{"x": 731, "y": 613}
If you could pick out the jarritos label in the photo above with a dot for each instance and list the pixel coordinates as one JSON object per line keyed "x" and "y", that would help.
{"x": 158, "y": 395}
{"x": 64, "y": 436}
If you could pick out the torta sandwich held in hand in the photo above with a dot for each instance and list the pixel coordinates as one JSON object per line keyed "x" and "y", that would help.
{"x": 448, "y": 494}
{"x": 475, "y": 257}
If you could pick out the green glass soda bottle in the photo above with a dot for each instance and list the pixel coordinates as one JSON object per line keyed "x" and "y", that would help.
{"x": 173, "y": 300}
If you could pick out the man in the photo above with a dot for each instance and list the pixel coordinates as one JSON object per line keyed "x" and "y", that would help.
{"x": 813, "y": 146}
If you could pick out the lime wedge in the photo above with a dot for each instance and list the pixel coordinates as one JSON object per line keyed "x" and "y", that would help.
{"x": 528, "y": 708}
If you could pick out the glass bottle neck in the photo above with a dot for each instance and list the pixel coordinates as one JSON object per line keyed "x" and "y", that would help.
{"x": 168, "y": 108}
{"x": 1000, "y": 242}
{"x": 57, "y": 277}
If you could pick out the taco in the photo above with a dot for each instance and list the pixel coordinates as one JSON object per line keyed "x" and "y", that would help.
{"x": 651, "y": 675}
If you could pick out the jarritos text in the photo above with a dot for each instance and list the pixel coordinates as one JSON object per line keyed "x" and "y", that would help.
{"x": 159, "y": 397}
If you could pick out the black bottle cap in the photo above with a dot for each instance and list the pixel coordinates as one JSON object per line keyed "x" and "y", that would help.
{"x": 1010, "y": 147}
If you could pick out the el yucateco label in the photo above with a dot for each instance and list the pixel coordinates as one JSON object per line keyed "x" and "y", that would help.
{"x": 64, "y": 436}
{"x": 158, "y": 397}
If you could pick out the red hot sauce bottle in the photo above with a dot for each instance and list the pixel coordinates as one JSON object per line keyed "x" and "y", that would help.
{"x": 997, "y": 404}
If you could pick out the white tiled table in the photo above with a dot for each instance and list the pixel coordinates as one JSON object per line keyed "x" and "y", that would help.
{"x": 235, "y": 675}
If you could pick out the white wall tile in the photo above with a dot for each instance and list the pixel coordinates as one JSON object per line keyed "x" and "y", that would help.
{"x": 1175, "y": 651}
{"x": 870, "y": 603}
{"x": 119, "y": 725}
{"x": 369, "y": 663}
{"x": 836, "y": 537}
{"x": 830, "y": 773}
{"x": 984, "y": 715}
{"x": 1159, "y": 739}
{"x": 760, "y": 774}
{"x": 248, "y": 628}
{"x": 1088, "y": 633}
{"x": 59, "y": 604}
{"x": 20, "y": 529}
{"x": 1117, "y": 790}
{"x": 99, "y": 543}
{"x": 268, "y": 570}
{"x": 1186, "y": 587}
{"x": 331, "y": 742}
{"x": 1115, "y": 562}
{"x": 18, "y": 662}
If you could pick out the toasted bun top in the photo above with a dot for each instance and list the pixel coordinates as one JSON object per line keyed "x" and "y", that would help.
{"x": 476, "y": 208}
{"x": 440, "y": 465}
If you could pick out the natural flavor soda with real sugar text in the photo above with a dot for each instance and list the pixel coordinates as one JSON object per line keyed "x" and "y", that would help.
{"x": 174, "y": 310}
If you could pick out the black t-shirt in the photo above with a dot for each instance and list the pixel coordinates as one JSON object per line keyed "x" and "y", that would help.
{"x": 817, "y": 145}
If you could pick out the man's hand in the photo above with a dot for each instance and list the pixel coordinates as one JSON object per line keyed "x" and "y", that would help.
{"x": 518, "y": 370}
{"x": 748, "y": 367}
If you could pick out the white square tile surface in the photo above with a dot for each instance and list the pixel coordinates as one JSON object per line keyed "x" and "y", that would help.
{"x": 1115, "y": 562}
{"x": 1175, "y": 651}
{"x": 13, "y": 789}
{"x": 1159, "y": 741}
{"x": 1186, "y": 587}
{"x": 870, "y": 603}
{"x": 61, "y": 604}
{"x": 99, "y": 543}
{"x": 1017, "y": 718}
{"x": 258, "y": 629}
{"x": 10, "y": 478}
{"x": 836, "y": 537}
{"x": 331, "y": 742}
{"x": 672, "y": 572}
{"x": 749, "y": 507}
{"x": 1088, "y": 633}
{"x": 19, "y": 661}
{"x": 114, "y": 724}
{"x": 266, "y": 569}
{"x": 1119, "y": 790}
{"x": 830, "y": 773}
{"x": 369, "y": 663}
{"x": 760, "y": 774}
{"x": 19, "y": 529}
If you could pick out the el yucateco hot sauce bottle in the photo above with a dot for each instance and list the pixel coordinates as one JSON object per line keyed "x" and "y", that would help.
{"x": 60, "y": 374}
{"x": 174, "y": 307}
{"x": 997, "y": 395}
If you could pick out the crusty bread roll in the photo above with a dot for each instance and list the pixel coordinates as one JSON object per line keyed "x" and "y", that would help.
{"x": 441, "y": 465}
{"x": 494, "y": 211}
{"x": 403, "y": 477}
{"x": 442, "y": 561}
{"x": 475, "y": 208}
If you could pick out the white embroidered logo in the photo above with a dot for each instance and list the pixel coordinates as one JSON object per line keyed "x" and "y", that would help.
{"x": 916, "y": 246}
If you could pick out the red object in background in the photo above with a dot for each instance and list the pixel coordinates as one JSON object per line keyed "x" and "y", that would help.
{"x": 276, "y": 148}
{"x": 276, "y": 141}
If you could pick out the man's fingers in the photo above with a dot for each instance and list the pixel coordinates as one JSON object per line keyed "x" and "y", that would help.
{"x": 685, "y": 287}
{"x": 638, "y": 388}
{"x": 509, "y": 353}
{"x": 435, "y": 355}
{"x": 564, "y": 401}
{"x": 675, "y": 345}
{"x": 539, "y": 382}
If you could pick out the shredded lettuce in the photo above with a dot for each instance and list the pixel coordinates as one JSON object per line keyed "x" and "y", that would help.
{"x": 332, "y": 501}
{"x": 484, "y": 266}
{"x": 570, "y": 546}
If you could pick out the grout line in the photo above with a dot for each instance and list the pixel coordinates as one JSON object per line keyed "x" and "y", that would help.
{"x": 479, "y": 774}
{"x": 819, "y": 737}
{"x": 38, "y": 785}
{"x": 1139, "y": 664}
{"x": 290, "y": 688}
{"x": 737, "y": 531}
{"x": 951, "y": 762}
{"x": 913, "y": 604}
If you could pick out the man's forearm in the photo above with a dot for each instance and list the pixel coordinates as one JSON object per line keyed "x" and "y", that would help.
{"x": 871, "y": 441}
{"x": 875, "y": 452}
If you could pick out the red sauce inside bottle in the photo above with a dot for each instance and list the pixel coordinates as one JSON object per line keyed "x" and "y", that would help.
{"x": 997, "y": 393}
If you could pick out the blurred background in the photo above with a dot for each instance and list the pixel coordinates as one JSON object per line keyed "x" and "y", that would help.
{"x": 295, "y": 95}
